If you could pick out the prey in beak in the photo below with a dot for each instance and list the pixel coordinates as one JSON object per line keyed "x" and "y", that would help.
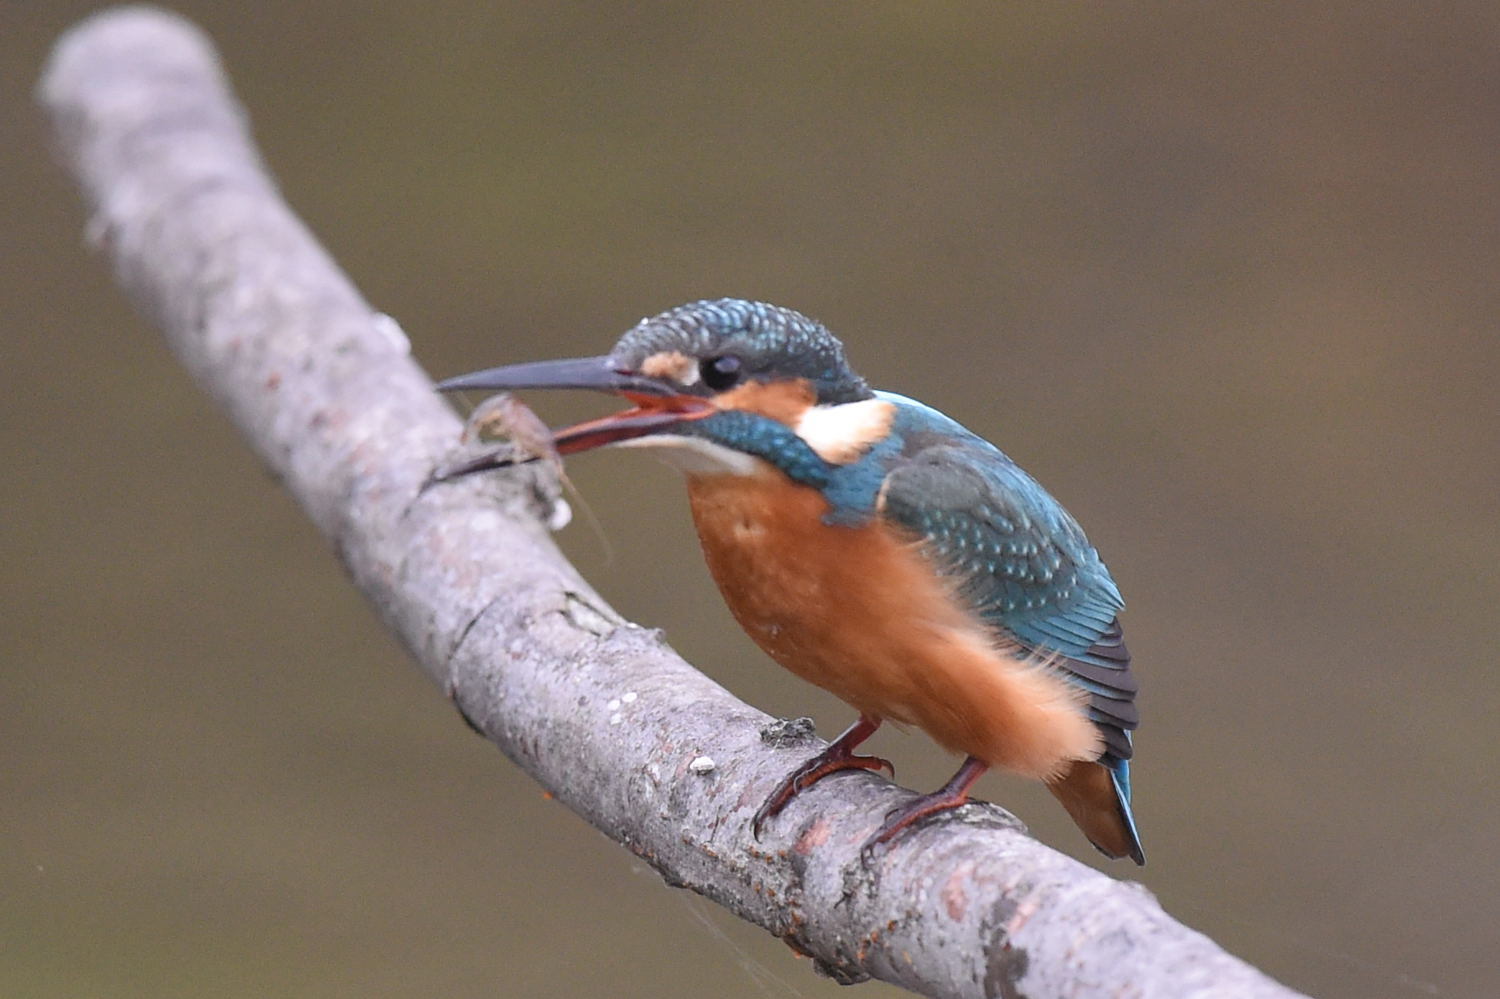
{"x": 658, "y": 406}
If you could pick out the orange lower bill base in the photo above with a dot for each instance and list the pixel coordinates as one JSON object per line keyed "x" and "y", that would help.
{"x": 651, "y": 415}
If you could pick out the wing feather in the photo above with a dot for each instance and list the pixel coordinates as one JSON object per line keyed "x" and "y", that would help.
{"x": 1022, "y": 563}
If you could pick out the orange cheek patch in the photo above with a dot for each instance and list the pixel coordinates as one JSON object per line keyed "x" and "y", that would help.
{"x": 784, "y": 402}
{"x": 679, "y": 367}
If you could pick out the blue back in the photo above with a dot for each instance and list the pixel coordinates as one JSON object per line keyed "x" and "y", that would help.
{"x": 1021, "y": 561}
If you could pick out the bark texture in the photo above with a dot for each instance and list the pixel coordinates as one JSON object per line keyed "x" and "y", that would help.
{"x": 601, "y": 712}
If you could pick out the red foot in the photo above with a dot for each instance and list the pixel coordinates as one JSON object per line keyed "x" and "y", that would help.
{"x": 948, "y": 797}
{"x": 838, "y": 756}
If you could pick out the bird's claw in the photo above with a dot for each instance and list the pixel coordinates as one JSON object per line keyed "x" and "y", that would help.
{"x": 905, "y": 818}
{"x": 761, "y": 815}
{"x": 809, "y": 774}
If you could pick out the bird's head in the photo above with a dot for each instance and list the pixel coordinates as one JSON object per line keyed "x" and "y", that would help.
{"x": 698, "y": 362}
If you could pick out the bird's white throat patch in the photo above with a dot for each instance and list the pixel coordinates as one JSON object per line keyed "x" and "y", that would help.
{"x": 842, "y": 434}
{"x": 697, "y": 456}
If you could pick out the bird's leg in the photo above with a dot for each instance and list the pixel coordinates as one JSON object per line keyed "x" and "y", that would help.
{"x": 838, "y": 756}
{"x": 949, "y": 796}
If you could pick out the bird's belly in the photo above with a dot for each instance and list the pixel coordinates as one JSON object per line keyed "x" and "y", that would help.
{"x": 860, "y": 612}
{"x": 804, "y": 591}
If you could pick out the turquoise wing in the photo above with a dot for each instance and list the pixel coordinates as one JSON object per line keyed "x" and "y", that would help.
{"x": 1022, "y": 564}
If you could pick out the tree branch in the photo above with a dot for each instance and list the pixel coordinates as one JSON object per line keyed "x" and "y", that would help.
{"x": 598, "y": 710}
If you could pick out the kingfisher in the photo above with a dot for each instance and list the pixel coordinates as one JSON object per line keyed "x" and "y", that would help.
{"x": 878, "y": 549}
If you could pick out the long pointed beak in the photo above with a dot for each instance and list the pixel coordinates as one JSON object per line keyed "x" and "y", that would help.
{"x": 594, "y": 373}
{"x": 658, "y": 404}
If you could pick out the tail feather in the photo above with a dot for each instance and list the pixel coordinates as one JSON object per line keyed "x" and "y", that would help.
{"x": 1097, "y": 796}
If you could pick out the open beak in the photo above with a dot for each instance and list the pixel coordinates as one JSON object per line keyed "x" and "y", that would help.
{"x": 658, "y": 404}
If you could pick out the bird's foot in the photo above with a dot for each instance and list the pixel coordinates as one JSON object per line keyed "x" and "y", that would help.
{"x": 831, "y": 761}
{"x": 911, "y": 814}
{"x": 951, "y": 795}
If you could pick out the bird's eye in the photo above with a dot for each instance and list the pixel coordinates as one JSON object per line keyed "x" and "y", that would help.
{"x": 720, "y": 373}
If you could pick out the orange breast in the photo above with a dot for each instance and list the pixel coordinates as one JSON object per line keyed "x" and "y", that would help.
{"x": 861, "y": 613}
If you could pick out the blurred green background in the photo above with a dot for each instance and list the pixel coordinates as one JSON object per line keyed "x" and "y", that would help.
{"x": 1223, "y": 276}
